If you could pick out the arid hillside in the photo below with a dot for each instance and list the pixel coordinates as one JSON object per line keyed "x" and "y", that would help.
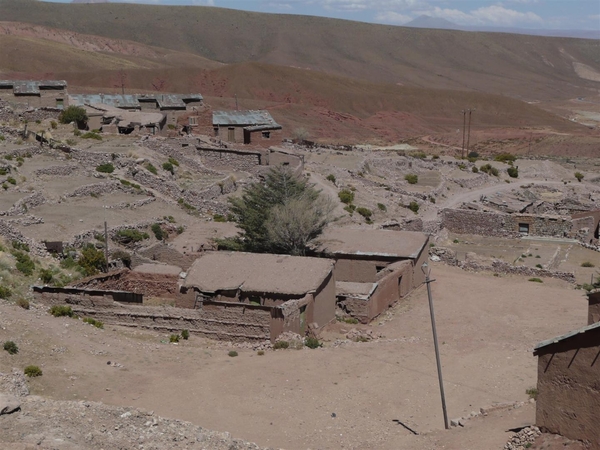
{"x": 528, "y": 67}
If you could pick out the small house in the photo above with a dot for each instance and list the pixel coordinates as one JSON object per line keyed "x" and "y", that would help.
{"x": 248, "y": 127}
{"x": 35, "y": 94}
{"x": 273, "y": 293}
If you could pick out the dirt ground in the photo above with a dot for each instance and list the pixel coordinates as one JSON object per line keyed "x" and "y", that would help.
{"x": 345, "y": 395}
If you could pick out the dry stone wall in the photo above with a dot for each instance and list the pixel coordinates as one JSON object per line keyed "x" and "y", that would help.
{"x": 237, "y": 160}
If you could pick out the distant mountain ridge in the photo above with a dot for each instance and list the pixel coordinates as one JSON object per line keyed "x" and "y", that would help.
{"x": 90, "y": 1}
{"x": 438, "y": 23}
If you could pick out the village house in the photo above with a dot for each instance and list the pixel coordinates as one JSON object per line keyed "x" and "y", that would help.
{"x": 248, "y": 127}
{"x": 35, "y": 94}
{"x": 373, "y": 268}
{"x": 277, "y": 293}
{"x": 568, "y": 399}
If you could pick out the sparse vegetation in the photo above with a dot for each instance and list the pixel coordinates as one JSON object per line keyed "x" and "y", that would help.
{"x": 11, "y": 347}
{"x": 106, "y": 168}
{"x": 25, "y": 264}
{"x": 94, "y": 322}
{"x": 219, "y": 218}
{"x": 61, "y": 311}
{"x": 5, "y": 292}
{"x": 474, "y": 169}
{"x": 232, "y": 354}
{"x": 513, "y": 172}
{"x": 413, "y": 206}
{"x": 150, "y": 168}
{"x": 365, "y": 212}
{"x": 46, "y": 276}
{"x": 587, "y": 264}
{"x": 505, "y": 158}
{"x": 312, "y": 342}
{"x": 381, "y": 207}
{"x": 185, "y": 334}
{"x": 53, "y": 125}
{"x": 91, "y": 260}
{"x": 346, "y": 196}
{"x": 331, "y": 178}
{"x": 174, "y": 338}
{"x": 91, "y": 135}
{"x": 579, "y": 176}
{"x": 158, "y": 231}
{"x": 260, "y": 353}
{"x": 539, "y": 266}
{"x": 412, "y": 178}
{"x": 532, "y": 393}
{"x": 75, "y": 114}
{"x": 23, "y": 303}
{"x": 130, "y": 236}
{"x": 489, "y": 169}
{"x": 173, "y": 161}
{"x": 535, "y": 280}
{"x": 11, "y": 180}
{"x": 279, "y": 345}
{"x": 32, "y": 371}
{"x": 169, "y": 167}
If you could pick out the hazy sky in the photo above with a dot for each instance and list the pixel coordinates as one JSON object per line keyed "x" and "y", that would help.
{"x": 558, "y": 14}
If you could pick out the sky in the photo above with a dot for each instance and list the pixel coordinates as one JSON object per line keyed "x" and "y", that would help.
{"x": 534, "y": 14}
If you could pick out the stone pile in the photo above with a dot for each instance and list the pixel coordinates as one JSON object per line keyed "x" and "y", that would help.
{"x": 57, "y": 171}
{"x": 523, "y": 439}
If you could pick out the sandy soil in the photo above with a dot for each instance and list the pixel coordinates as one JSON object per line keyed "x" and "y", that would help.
{"x": 340, "y": 396}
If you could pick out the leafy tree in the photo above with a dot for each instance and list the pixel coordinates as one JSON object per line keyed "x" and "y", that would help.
{"x": 282, "y": 215}
{"x": 75, "y": 114}
{"x": 346, "y": 196}
{"x": 579, "y": 176}
{"x": 513, "y": 172}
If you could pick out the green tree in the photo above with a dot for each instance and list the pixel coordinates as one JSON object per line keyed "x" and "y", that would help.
{"x": 92, "y": 260}
{"x": 75, "y": 114}
{"x": 282, "y": 214}
{"x": 579, "y": 176}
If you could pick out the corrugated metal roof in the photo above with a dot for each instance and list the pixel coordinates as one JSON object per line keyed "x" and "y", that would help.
{"x": 132, "y": 101}
{"x": 170, "y": 101}
{"x": 564, "y": 337}
{"x": 31, "y": 87}
{"x": 243, "y": 118}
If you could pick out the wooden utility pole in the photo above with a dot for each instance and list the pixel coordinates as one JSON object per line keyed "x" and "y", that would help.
{"x": 469, "y": 131}
{"x": 428, "y": 281}
{"x": 106, "y": 245}
{"x": 464, "y": 113}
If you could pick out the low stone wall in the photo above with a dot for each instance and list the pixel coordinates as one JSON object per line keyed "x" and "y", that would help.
{"x": 26, "y": 203}
{"x": 224, "y": 321}
{"x": 57, "y": 171}
{"x": 11, "y": 234}
{"x": 230, "y": 159}
{"x": 465, "y": 221}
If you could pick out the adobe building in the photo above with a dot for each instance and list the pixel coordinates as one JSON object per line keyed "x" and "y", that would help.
{"x": 248, "y": 127}
{"x": 170, "y": 106}
{"x": 35, "y": 94}
{"x": 568, "y": 400}
{"x": 373, "y": 268}
{"x": 278, "y": 292}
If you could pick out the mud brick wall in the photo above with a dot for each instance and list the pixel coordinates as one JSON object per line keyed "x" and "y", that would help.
{"x": 231, "y": 159}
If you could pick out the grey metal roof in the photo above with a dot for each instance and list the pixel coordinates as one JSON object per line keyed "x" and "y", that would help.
{"x": 243, "y": 118}
{"x": 132, "y": 101}
{"x": 564, "y": 337}
{"x": 31, "y": 87}
{"x": 264, "y": 127}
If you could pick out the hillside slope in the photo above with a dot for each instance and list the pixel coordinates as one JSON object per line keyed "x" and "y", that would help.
{"x": 528, "y": 67}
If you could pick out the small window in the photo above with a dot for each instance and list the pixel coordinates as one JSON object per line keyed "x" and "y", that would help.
{"x": 193, "y": 121}
{"x": 266, "y": 135}
{"x": 60, "y": 103}
{"x": 216, "y": 131}
{"x": 524, "y": 228}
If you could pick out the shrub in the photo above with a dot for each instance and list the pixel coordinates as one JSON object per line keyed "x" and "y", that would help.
{"x": 473, "y": 155}
{"x": 539, "y": 266}
{"x": 4, "y": 170}
{"x": 381, "y": 207}
{"x": 350, "y": 208}
{"x": 128, "y": 236}
{"x": 91, "y": 135}
{"x": 532, "y": 393}
{"x": 11, "y": 180}
{"x": 8, "y": 157}
{"x": 579, "y": 176}
{"x": 232, "y": 353}
{"x": 350, "y": 320}
{"x": 5, "y": 292}
{"x": 281, "y": 345}
{"x": 260, "y": 352}
{"x": 61, "y": 311}
{"x": 346, "y": 196}
{"x": 331, "y": 178}
{"x": 173, "y": 161}
{"x": 106, "y": 168}
{"x": 93, "y": 322}
{"x": 158, "y": 231}
{"x": 75, "y": 114}
{"x": 312, "y": 342}
{"x": 25, "y": 264}
{"x": 412, "y": 178}
{"x": 68, "y": 263}
{"x": 123, "y": 256}
{"x": 513, "y": 172}
{"x": 185, "y": 334}
{"x": 462, "y": 166}
{"x": 150, "y": 168}
{"x": 489, "y": 169}
{"x": 587, "y": 264}
{"x": 474, "y": 169}
{"x": 171, "y": 126}
{"x": 174, "y": 338}
{"x": 91, "y": 260}
{"x": 46, "y": 276}
{"x": 365, "y": 212}
{"x": 413, "y": 206}
{"x": 53, "y": 125}
{"x": 456, "y": 241}
{"x": 169, "y": 167}
{"x": 32, "y": 371}
{"x": 11, "y": 347}
{"x": 219, "y": 218}
{"x": 23, "y": 303}
{"x": 505, "y": 158}
{"x": 536, "y": 280}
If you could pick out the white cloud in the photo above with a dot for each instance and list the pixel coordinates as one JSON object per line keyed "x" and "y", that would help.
{"x": 203, "y": 2}
{"x": 392, "y": 17}
{"x": 362, "y": 5}
{"x": 488, "y": 15}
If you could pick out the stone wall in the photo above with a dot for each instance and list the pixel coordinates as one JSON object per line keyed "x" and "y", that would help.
{"x": 464, "y": 221}
{"x": 230, "y": 159}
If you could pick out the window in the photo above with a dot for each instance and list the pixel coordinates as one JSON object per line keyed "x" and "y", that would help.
{"x": 60, "y": 103}
{"x": 193, "y": 121}
{"x": 524, "y": 228}
{"x": 216, "y": 131}
{"x": 266, "y": 135}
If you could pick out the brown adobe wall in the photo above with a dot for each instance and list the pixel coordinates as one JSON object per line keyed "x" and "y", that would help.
{"x": 168, "y": 255}
{"x": 324, "y": 304}
{"x": 568, "y": 398}
{"x": 357, "y": 270}
{"x": 593, "y": 307}
{"x": 394, "y": 285}
{"x": 234, "y": 322}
